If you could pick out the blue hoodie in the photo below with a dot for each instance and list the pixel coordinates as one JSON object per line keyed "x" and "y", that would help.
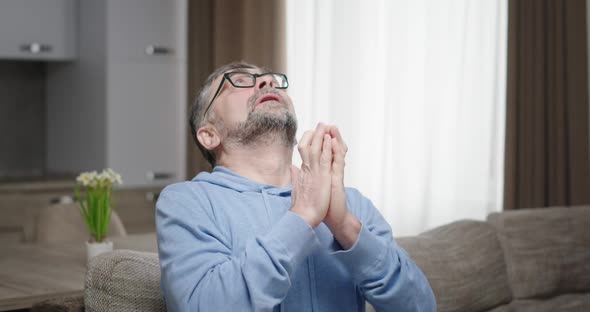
{"x": 227, "y": 243}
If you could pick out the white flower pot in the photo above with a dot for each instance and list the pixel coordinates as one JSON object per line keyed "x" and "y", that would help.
{"x": 95, "y": 249}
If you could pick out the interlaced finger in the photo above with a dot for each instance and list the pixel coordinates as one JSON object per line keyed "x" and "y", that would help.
{"x": 326, "y": 156}
{"x": 304, "y": 147}
{"x": 316, "y": 146}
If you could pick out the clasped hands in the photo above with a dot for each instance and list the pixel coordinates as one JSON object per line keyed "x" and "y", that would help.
{"x": 318, "y": 186}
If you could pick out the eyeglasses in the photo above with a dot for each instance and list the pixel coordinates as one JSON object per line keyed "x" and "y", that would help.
{"x": 248, "y": 80}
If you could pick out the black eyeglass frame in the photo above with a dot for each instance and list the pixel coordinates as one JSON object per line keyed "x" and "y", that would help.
{"x": 227, "y": 76}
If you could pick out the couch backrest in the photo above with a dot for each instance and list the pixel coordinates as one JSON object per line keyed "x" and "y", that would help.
{"x": 464, "y": 265}
{"x": 547, "y": 250}
{"x": 123, "y": 280}
{"x": 470, "y": 265}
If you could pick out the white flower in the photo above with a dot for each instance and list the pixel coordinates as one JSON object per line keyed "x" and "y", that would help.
{"x": 94, "y": 179}
{"x": 83, "y": 178}
{"x": 111, "y": 176}
{"x": 93, "y": 176}
{"x": 118, "y": 179}
{"x": 87, "y": 178}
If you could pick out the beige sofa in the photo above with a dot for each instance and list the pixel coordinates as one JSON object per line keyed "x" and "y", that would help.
{"x": 526, "y": 260}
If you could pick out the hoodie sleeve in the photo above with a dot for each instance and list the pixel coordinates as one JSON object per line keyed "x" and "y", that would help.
{"x": 199, "y": 270}
{"x": 385, "y": 274}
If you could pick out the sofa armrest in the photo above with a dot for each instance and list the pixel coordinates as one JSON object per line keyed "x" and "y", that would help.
{"x": 124, "y": 280}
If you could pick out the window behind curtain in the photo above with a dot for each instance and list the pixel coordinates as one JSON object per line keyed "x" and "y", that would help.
{"x": 418, "y": 91}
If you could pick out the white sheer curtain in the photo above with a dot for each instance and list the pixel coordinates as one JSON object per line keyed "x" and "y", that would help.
{"x": 417, "y": 88}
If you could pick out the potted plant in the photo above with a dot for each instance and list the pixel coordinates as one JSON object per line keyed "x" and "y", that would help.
{"x": 94, "y": 194}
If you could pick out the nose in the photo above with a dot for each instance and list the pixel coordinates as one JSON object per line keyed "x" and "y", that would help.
{"x": 265, "y": 81}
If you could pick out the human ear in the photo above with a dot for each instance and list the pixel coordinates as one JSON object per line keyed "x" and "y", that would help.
{"x": 208, "y": 137}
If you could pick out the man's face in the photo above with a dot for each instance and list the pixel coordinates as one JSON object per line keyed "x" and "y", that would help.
{"x": 233, "y": 105}
{"x": 246, "y": 114}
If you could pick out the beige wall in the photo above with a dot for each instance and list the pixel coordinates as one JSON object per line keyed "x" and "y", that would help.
{"x": 251, "y": 31}
{"x": 200, "y": 65}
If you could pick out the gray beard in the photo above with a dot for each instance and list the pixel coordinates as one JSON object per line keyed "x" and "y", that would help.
{"x": 263, "y": 127}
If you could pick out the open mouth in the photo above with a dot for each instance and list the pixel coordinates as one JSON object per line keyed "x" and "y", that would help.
{"x": 268, "y": 97}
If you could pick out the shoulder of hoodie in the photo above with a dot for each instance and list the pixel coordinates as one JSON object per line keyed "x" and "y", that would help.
{"x": 186, "y": 202}
{"x": 186, "y": 193}
{"x": 196, "y": 187}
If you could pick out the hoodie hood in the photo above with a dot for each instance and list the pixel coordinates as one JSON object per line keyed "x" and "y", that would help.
{"x": 224, "y": 177}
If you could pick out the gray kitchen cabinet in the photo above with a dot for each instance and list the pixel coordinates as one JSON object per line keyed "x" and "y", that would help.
{"x": 146, "y": 125}
{"x": 122, "y": 104}
{"x": 143, "y": 30}
{"x": 37, "y": 29}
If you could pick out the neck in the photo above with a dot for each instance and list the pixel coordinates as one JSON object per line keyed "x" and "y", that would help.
{"x": 263, "y": 163}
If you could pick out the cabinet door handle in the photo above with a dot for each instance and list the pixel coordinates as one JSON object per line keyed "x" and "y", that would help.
{"x": 35, "y": 48}
{"x": 151, "y": 175}
{"x": 157, "y": 50}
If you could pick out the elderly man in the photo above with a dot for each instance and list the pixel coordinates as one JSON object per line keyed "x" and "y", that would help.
{"x": 259, "y": 234}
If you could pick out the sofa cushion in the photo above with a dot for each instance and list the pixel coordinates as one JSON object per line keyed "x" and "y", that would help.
{"x": 547, "y": 250}
{"x": 464, "y": 265}
{"x": 123, "y": 280}
{"x": 503, "y": 308}
{"x": 563, "y": 303}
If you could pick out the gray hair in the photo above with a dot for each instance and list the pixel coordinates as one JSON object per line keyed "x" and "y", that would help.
{"x": 198, "y": 107}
